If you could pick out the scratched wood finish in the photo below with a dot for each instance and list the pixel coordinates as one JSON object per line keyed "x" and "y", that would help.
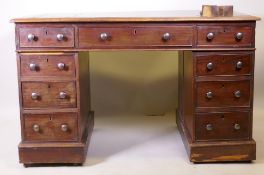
{"x": 244, "y": 151}
{"x": 47, "y": 65}
{"x": 136, "y": 16}
{"x": 49, "y": 155}
{"x": 50, "y": 127}
{"x": 205, "y": 151}
{"x": 49, "y": 94}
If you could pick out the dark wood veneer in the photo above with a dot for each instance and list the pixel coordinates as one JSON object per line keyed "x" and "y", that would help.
{"x": 49, "y": 94}
{"x": 50, "y": 127}
{"x": 224, "y": 63}
{"x": 47, "y": 65}
{"x": 223, "y": 93}
{"x": 223, "y": 126}
{"x": 89, "y": 37}
{"x": 224, "y": 36}
{"x": 188, "y": 35}
{"x": 46, "y": 36}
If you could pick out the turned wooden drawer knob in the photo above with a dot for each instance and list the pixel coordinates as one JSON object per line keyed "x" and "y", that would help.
{"x": 209, "y": 95}
{"x": 35, "y": 95}
{"x": 239, "y": 65}
{"x": 64, "y": 127}
{"x": 236, "y": 126}
{"x": 60, "y": 37}
{"x": 210, "y": 36}
{"x": 33, "y": 66}
{"x": 210, "y": 66}
{"x": 166, "y": 36}
{"x": 36, "y": 128}
{"x": 209, "y": 127}
{"x": 103, "y": 36}
{"x": 31, "y": 37}
{"x": 239, "y": 36}
{"x": 63, "y": 95}
{"x": 61, "y": 66}
{"x": 237, "y": 94}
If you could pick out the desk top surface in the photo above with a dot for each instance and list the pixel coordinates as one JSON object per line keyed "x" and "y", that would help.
{"x": 150, "y": 16}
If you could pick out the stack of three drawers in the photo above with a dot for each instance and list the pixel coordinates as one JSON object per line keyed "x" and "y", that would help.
{"x": 56, "y": 121}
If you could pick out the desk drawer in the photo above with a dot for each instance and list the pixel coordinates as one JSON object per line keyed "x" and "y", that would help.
{"x": 135, "y": 36}
{"x": 46, "y": 36}
{"x": 224, "y": 93}
{"x": 225, "y": 36}
{"x": 223, "y": 126}
{"x": 50, "y": 127}
{"x": 48, "y": 94}
{"x": 224, "y": 64}
{"x": 47, "y": 65}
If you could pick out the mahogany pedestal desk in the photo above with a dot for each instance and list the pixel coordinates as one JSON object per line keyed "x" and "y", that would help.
{"x": 216, "y": 74}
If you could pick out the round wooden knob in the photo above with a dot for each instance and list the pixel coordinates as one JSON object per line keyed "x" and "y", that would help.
{"x": 210, "y": 36}
{"x": 166, "y": 36}
{"x": 209, "y": 95}
{"x": 237, "y": 94}
{"x": 239, "y": 65}
{"x": 35, "y": 95}
{"x": 36, "y": 128}
{"x": 236, "y": 126}
{"x": 64, "y": 127}
{"x": 33, "y": 66}
{"x": 209, "y": 127}
{"x": 61, "y": 66}
{"x": 210, "y": 66}
{"x": 63, "y": 95}
{"x": 31, "y": 37}
{"x": 60, "y": 37}
{"x": 103, "y": 36}
{"x": 239, "y": 36}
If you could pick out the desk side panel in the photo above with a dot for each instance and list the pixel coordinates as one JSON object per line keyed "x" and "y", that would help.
{"x": 84, "y": 91}
{"x": 186, "y": 91}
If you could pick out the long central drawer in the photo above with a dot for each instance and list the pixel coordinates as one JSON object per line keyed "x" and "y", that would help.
{"x": 104, "y": 36}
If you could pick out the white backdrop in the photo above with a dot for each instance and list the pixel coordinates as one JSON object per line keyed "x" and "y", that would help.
{"x": 174, "y": 160}
{"x": 17, "y": 8}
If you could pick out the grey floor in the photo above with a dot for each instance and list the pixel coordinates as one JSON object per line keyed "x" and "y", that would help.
{"x": 130, "y": 144}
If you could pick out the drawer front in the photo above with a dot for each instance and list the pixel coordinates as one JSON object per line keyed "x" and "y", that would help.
{"x": 46, "y": 37}
{"x": 48, "y": 94}
{"x": 225, "y": 36}
{"x": 47, "y": 65}
{"x": 224, "y": 94}
{"x": 224, "y": 64}
{"x": 223, "y": 126}
{"x": 137, "y": 36}
{"x": 50, "y": 127}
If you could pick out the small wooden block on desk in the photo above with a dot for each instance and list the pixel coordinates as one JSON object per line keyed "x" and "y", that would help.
{"x": 217, "y": 11}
